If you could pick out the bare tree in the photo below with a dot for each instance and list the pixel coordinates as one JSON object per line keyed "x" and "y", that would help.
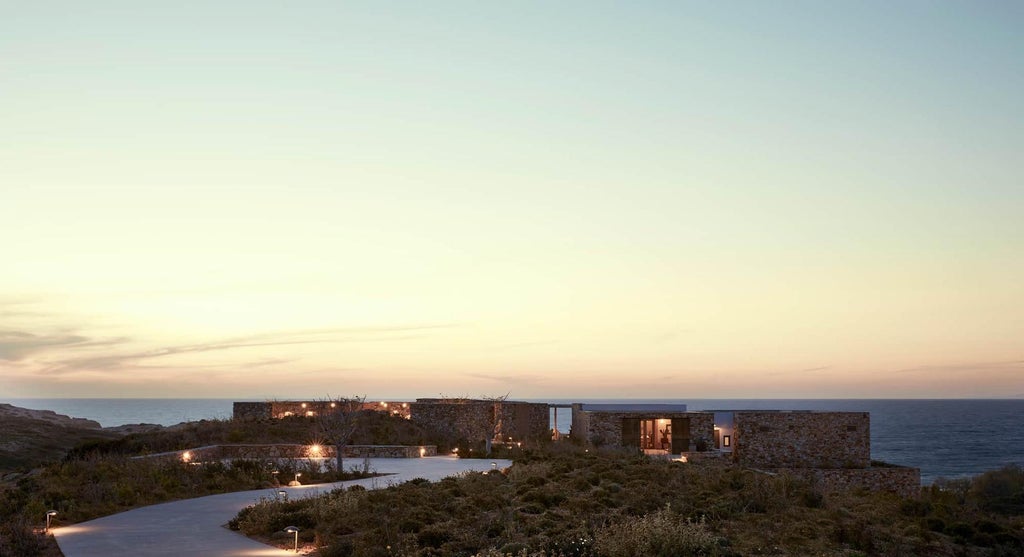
{"x": 337, "y": 420}
{"x": 494, "y": 425}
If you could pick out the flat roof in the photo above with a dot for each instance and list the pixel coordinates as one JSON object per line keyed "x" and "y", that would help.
{"x": 633, "y": 407}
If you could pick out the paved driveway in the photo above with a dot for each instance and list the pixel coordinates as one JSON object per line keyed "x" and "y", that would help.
{"x": 196, "y": 526}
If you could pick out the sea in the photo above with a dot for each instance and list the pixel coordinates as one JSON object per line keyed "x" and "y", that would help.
{"x": 946, "y": 438}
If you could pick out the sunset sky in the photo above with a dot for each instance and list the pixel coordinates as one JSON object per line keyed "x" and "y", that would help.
{"x": 547, "y": 199}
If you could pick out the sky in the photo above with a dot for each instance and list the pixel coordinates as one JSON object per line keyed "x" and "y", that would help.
{"x": 551, "y": 200}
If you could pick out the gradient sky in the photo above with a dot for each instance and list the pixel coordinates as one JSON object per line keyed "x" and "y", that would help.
{"x": 551, "y": 199}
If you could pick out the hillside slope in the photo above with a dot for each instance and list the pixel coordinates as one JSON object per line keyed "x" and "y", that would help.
{"x": 32, "y": 437}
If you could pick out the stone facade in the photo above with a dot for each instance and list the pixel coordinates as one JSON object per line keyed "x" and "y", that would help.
{"x": 277, "y": 409}
{"x": 901, "y": 480}
{"x": 802, "y": 439}
{"x": 254, "y": 411}
{"x": 476, "y": 420}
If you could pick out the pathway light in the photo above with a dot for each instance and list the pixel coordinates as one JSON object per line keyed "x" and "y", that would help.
{"x": 294, "y": 530}
{"x": 49, "y": 515}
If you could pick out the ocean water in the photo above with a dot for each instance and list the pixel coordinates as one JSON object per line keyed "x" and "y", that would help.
{"x": 944, "y": 438}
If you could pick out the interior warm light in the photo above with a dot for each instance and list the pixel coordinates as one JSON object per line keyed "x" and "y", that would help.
{"x": 423, "y": 452}
{"x": 303, "y": 404}
{"x": 315, "y": 450}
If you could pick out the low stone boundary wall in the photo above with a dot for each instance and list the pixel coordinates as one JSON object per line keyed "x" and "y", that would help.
{"x": 273, "y": 452}
{"x": 904, "y": 481}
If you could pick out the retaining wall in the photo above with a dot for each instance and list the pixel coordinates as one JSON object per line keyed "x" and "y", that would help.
{"x": 901, "y": 480}
{"x": 281, "y": 451}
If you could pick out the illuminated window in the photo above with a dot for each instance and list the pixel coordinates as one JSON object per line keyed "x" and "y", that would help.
{"x": 727, "y": 440}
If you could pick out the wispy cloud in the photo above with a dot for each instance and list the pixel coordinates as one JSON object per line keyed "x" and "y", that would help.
{"x": 139, "y": 358}
{"x": 513, "y": 345}
{"x": 809, "y": 370}
{"x": 519, "y": 379}
{"x": 959, "y": 367}
{"x": 18, "y": 345}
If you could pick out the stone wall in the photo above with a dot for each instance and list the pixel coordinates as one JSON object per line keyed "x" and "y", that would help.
{"x": 277, "y": 409}
{"x": 901, "y": 480}
{"x": 803, "y": 439}
{"x": 251, "y": 411}
{"x": 475, "y": 420}
{"x": 282, "y": 451}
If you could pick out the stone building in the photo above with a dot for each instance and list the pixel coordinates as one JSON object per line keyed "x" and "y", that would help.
{"x": 277, "y": 409}
{"x": 832, "y": 449}
{"x": 653, "y": 428}
{"x": 479, "y": 420}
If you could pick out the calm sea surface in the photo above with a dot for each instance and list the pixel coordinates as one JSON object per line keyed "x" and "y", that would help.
{"x": 944, "y": 438}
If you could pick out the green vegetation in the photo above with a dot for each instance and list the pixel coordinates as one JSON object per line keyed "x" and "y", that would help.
{"x": 565, "y": 502}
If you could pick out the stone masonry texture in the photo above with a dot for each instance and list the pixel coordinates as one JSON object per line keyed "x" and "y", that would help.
{"x": 803, "y": 439}
{"x": 476, "y": 420}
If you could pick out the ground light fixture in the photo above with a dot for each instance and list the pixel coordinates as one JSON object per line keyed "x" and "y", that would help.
{"x": 494, "y": 466}
{"x": 282, "y": 494}
{"x": 294, "y": 530}
{"x": 49, "y": 516}
{"x": 295, "y": 482}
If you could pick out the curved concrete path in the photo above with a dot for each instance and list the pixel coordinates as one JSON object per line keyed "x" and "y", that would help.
{"x": 196, "y": 526}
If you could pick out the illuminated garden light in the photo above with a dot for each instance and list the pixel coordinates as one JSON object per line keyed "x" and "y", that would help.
{"x": 49, "y": 515}
{"x": 294, "y": 530}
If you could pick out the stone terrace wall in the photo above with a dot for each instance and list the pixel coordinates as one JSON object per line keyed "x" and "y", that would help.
{"x": 277, "y": 409}
{"x": 472, "y": 419}
{"x": 803, "y": 439}
{"x": 280, "y": 451}
{"x": 900, "y": 480}
{"x": 606, "y": 427}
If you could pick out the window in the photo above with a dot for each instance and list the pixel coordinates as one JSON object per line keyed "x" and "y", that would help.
{"x": 727, "y": 440}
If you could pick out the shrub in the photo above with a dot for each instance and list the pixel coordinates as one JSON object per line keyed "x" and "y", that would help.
{"x": 658, "y": 534}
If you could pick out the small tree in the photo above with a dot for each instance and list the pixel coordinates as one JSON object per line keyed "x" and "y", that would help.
{"x": 337, "y": 420}
{"x": 494, "y": 425}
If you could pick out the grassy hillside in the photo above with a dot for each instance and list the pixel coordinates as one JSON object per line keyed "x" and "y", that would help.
{"x": 575, "y": 504}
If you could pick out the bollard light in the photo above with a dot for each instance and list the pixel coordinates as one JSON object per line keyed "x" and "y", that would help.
{"x": 494, "y": 466}
{"x": 294, "y": 530}
{"x": 49, "y": 515}
{"x": 282, "y": 494}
